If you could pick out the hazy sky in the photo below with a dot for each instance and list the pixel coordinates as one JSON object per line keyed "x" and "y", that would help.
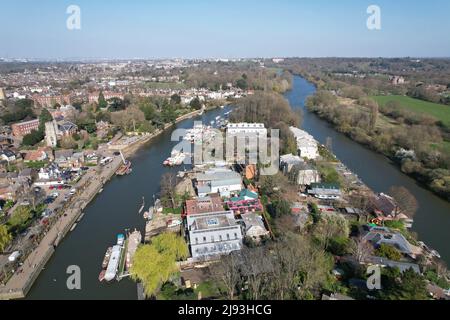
{"x": 228, "y": 29}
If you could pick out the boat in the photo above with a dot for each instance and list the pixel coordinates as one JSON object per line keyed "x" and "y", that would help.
{"x": 113, "y": 264}
{"x": 73, "y": 227}
{"x": 120, "y": 239}
{"x": 106, "y": 258}
{"x": 124, "y": 169}
{"x": 80, "y": 217}
{"x": 101, "y": 190}
{"x": 101, "y": 276}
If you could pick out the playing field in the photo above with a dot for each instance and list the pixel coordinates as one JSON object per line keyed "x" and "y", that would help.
{"x": 439, "y": 111}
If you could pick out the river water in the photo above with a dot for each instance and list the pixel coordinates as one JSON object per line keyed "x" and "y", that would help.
{"x": 111, "y": 212}
{"x": 432, "y": 220}
{"x": 116, "y": 208}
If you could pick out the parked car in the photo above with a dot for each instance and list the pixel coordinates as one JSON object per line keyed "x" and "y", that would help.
{"x": 14, "y": 256}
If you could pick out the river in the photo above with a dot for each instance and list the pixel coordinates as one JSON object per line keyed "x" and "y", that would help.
{"x": 116, "y": 208}
{"x": 110, "y": 213}
{"x": 432, "y": 220}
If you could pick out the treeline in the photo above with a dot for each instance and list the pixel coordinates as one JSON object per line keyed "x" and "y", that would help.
{"x": 250, "y": 76}
{"x": 274, "y": 111}
{"x": 17, "y": 111}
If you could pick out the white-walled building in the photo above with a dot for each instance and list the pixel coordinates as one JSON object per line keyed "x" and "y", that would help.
{"x": 212, "y": 234}
{"x": 307, "y": 146}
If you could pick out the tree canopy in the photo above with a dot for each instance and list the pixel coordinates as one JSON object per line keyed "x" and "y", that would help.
{"x": 155, "y": 263}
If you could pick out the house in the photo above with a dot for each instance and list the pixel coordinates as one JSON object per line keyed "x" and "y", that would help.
{"x": 254, "y": 226}
{"x": 383, "y": 205}
{"x": 35, "y": 155}
{"x": 305, "y": 174}
{"x": 221, "y": 181}
{"x": 381, "y": 235}
{"x": 246, "y": 195}
{"x": 307, "y": 146}
{"x": 63, "y": 158}
{"x": 244, "y": 206}
{"x": 289, "y": 161}
{"x": 325, "y": 191}
{"x": 8, "y": 155}
{"x": 212, "y": 203}
{"x": 213, "y": 234}
{"x": 90, "y": 157}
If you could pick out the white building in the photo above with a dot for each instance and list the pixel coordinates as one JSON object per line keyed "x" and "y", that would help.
{"x": 212, "y": 234}
{"x": 307, "y": 146}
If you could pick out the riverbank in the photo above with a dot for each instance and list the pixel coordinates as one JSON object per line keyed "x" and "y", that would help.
{"x": 431, "y": 221}
{"x": 89, "y": 186}
{"x": 430, "y": 177}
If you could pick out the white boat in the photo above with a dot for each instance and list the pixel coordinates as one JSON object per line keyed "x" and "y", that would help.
{"x": 73, "y": 227}
{"x": 113, "y": 263}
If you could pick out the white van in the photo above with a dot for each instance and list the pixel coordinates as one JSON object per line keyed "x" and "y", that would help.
{"x": 13, "y": 257}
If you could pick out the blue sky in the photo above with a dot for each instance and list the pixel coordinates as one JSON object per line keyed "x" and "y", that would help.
{"x": 228, "y": 29}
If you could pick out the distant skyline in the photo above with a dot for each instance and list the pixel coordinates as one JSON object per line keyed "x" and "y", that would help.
{"x": 116, "y": 29}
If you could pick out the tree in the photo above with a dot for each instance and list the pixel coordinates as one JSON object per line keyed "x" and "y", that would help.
{"x": 175, "y": 99}
{"x": 168, "y": 184}
{"x": 32, "y": 138}
{"x": 44, "y": 117}
{"x": 226, "y": 272}
{"x": 403, "y": 286}
{"x": 330, "y": 226}
{"x": 155, "y": 263}
{"x": 5, "y": 237}
{"x": 406, "y": 203}
{"x": 102, "y": 101}
{"x": 196, "y": 104}
{"x": 388, "y": 252}
{"x": 19, "y": 218}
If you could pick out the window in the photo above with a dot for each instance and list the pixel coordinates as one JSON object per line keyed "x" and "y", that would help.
{"x": 228, "y": 236}
{"x": 204, "y": 239}
{"x": 196, "y": 240}
{"x": 235, "y": 235}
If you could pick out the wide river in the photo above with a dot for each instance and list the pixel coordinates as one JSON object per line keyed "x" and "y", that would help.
{"x": 116, "y": 208}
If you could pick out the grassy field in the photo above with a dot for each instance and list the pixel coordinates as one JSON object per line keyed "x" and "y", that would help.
{"x": 439, "y": 111}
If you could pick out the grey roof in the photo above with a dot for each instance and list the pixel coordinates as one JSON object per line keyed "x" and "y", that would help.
{"x": 63, "y": 154}
{"x": 380, "y": 235}
{"x": 225, "y": 182}
{"x": 402, "y": 266}
{"x": 218, "y": 176}
{"x": 251, "y": 220}
{"x": 204, "y": 189}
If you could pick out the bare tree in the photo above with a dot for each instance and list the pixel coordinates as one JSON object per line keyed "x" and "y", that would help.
{"x": 406, "y": 203}
{"x": 256, "y": 269}
{"x": 226, "y": 271}
{"x": 168, "y": 184}
{"x": 360, "y": 249}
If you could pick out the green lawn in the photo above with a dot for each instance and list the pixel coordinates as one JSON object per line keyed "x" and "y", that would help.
{"x": 439, "y": 111}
